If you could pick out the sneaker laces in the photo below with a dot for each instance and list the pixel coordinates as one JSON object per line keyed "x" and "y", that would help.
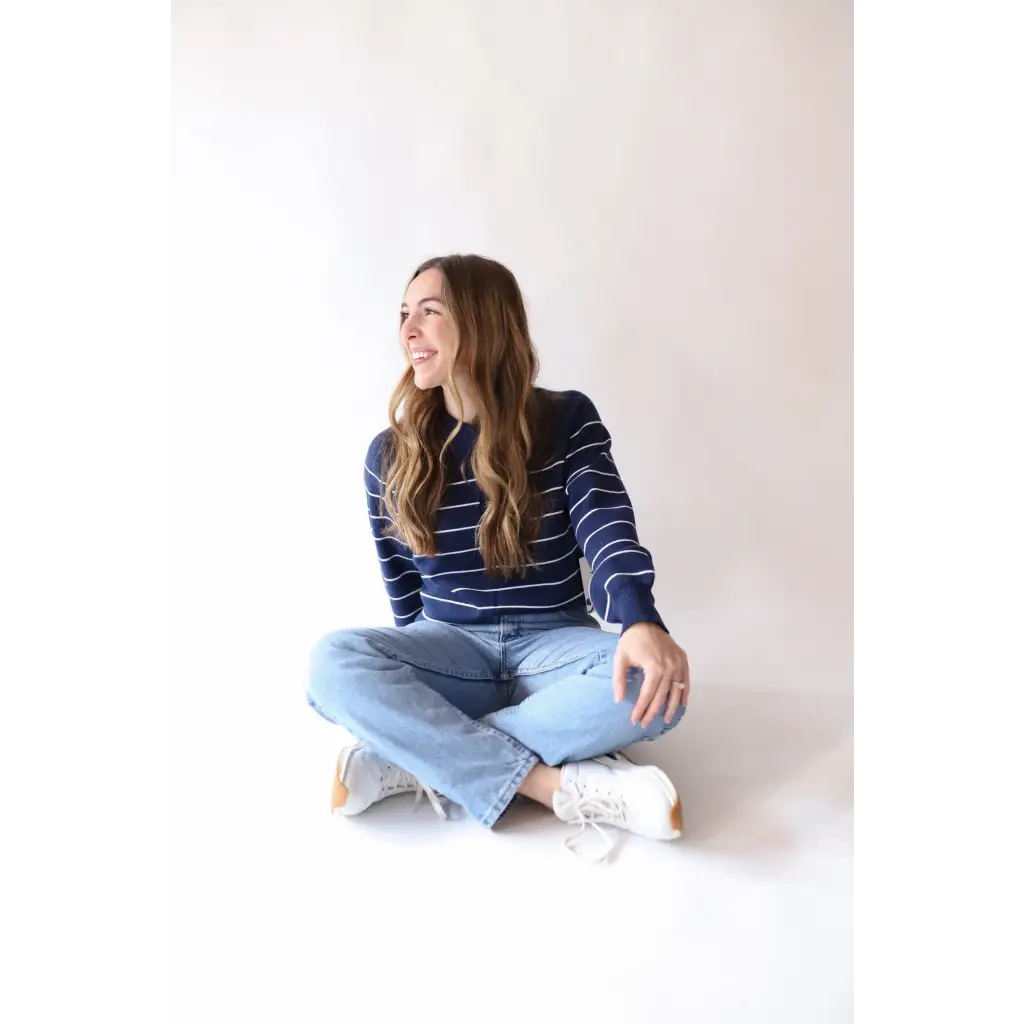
{"x": 432, "y": 797}
{"x": 396, "y": 780}
{"x": 593, "y": 809}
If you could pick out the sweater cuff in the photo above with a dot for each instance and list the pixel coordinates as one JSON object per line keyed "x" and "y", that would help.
{"x": 634, "y": 603}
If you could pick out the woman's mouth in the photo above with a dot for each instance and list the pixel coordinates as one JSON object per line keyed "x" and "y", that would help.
{"x": 422, "y": 355}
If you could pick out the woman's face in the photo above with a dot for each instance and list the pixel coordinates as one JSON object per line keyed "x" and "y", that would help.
{"x": 428, "y": 332}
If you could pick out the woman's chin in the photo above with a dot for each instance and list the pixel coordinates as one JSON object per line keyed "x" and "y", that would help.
{"x": 426, "y": 381}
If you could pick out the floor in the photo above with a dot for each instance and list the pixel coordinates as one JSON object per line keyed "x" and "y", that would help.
{"x": 399, "y": 915}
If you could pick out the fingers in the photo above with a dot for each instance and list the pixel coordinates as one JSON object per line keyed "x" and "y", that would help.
{"x": 648, "y": 692}
{"x": 658, "y": 702}
{"x": 673, "y": 702}
{"x": 685, "y": 677}
{"x": 619, "y": 667}
{"x": 678, "y": 695}
{"x": 657, "y": 692}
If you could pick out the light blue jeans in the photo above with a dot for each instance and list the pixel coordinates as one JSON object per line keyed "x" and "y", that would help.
{"x": 469, "y": 710}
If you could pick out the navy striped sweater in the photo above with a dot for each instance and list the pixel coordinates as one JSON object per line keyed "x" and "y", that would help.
{"x": 588, "y": 515}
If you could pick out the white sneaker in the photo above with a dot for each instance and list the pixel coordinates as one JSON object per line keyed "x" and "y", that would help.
{"x": 363, "y": 778}
{"x": 613, "y": 790}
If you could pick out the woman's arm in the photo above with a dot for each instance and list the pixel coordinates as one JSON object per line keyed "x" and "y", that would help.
{"x": 622, "y": 570}
{"x": 401, "y": 577}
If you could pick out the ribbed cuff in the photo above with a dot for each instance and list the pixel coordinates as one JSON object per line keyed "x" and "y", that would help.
{"x": 633, "y": 603}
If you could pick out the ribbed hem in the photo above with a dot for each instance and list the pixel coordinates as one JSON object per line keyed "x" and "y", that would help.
{"x": 633, "y": 603}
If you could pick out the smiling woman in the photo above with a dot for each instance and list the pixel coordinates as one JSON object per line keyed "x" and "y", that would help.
{"x": 428, "y": 334}
{"x": 485, "y": 687}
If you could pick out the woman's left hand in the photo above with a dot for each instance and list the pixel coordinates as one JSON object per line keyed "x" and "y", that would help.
{"x": 646, "y": 645}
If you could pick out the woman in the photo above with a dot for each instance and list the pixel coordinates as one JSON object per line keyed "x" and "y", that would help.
{"x": 483, "y": 496}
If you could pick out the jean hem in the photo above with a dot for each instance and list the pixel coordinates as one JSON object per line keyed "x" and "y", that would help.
{"x": 509, "y": 790}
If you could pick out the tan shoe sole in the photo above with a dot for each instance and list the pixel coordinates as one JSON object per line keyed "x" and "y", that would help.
{"x": 675, "y": 817}
{"x": 675, "y": 814}
{"x": 339, "y": 791}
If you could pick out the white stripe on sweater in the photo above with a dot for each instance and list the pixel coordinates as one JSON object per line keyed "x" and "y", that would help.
{"x": 543, "y": 540}
{"x": 505, "y": 607}
{"x": 583, "y": 448}
{"x": 381, "y": 539}
{"x": 388, "y": 558}
{"x": 445, "y": 554}
{"x": 466, "y": 551}
{"x": 580, "y": 472}
{"x": 601, "y": 508}
{"x": 456, "y": 483}
{"x": 618, "y": 540}
{"x": 391, "y": 579}
{"x": 483, "y": 568}
{"x": 602, "y": 490}
{"x": 608, "y": 606}
{"x": 462, "y": 504}
{"x": 614, "y": 522}
{"x": 615, "y": 554}
{"x": 472, "y": 479}
{"x": 518, "y": 586}
{"x": 589, "y": 423}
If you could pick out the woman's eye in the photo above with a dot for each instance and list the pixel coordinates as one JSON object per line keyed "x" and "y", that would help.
{"x": 434, "y": 311}
{"x": 402, "y": 317}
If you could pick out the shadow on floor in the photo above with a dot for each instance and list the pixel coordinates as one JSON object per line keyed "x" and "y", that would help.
{"x": 750, "y": 765}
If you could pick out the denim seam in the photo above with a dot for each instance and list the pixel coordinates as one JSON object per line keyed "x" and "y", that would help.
{"x": 550, "y": 667}
{"x": 444, "y": 670}
{"x": 510, "y": 789}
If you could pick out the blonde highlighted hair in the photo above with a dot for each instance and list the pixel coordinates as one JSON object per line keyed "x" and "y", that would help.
{"x": 516, "y": 421}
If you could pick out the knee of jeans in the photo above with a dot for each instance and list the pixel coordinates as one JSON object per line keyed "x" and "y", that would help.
{"x": 659, "y": 726}
{"x": 326, "y": 685}
{"x": 675, "y": 719}
{"x": 634, "y": 684}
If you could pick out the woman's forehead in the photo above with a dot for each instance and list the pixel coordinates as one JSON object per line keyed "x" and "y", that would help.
{"x": 429, "y": 283}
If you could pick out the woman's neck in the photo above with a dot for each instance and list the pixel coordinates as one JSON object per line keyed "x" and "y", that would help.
{"x": 470, "y": 409}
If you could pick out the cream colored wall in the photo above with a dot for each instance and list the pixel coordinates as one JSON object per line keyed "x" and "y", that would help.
{"x": 670, "y": 182}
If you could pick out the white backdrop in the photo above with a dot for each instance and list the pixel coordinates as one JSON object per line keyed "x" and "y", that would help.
{"x": 671, "y": 184}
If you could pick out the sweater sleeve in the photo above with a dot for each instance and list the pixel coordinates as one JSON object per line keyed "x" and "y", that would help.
{"x": 401, "y": 577}
{"x": 622, "y": 571}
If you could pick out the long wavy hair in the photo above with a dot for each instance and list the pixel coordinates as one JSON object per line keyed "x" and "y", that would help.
{"x": 493, "y": 348}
